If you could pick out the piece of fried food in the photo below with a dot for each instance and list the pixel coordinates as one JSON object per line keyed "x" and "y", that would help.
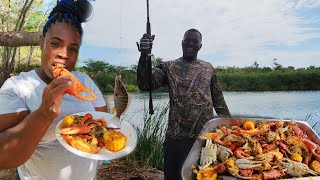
{"x": 82, "y": 144}
{"x": 114, "y": 140}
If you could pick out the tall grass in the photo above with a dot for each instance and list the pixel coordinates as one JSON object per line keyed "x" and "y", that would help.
{"x": 149, "y": 150}
{"x": 314, "y": 122}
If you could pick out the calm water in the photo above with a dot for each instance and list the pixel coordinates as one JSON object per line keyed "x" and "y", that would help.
{"x": 284, "y": 105}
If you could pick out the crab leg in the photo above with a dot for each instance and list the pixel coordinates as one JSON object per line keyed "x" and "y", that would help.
{"x": 313, "y": 147}
{"x": 247, "y": 164}
{"x": 234, "y": 170}
{"x": 77, "y": 87}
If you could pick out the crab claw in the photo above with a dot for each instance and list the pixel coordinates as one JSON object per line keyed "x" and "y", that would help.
{"x": 247, "y": 164}
{"x": 77, "y": 87}
{"x": 233, "y": 169}
{"x": 223, "y": 153}
{"x": 239, "y": 153}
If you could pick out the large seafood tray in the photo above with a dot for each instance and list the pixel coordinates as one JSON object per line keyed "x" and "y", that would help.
{"x": 194, "y": 154}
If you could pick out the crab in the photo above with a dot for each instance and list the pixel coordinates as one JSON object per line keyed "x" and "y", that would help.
{"x": 296, "y": 169}
{"x": 77, "y": 88}
{"x": 208, "y": 154}
{"x": 213, "y": 152}
{"x": 223, "y": 153}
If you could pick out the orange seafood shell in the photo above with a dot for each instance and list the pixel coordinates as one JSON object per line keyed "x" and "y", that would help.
{"x": 77, "y": 87}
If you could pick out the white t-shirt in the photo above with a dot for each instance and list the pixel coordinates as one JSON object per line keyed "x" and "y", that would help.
{"x": 50, "y": 160}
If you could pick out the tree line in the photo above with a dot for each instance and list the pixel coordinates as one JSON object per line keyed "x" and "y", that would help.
{"x": 269, "y": 79}
{"x": 252, "y": 78}
{"x": 21, "y": 22}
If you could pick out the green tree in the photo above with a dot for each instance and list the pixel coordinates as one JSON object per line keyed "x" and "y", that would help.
{"x": 96, "y": 66}
{"x": 255, "y": 65}
{"x": 156, "y": 62}
{"x": 17, "y": 17}
{"x": 277, "y": 65}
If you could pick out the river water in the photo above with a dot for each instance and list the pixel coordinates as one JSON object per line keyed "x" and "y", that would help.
{"x": 298, "y": 105}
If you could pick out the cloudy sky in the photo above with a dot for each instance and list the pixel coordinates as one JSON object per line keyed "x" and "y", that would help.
{"x": 235, "y": 33}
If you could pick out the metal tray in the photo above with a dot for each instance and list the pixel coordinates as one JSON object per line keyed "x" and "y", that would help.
{"x": 194, "y": 154}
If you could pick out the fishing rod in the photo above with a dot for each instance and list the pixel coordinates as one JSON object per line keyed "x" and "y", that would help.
{"x": 146, "y": 45}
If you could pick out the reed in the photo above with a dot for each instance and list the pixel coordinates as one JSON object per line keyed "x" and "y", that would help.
{"x": 313, "y": 121}
{"x": 149, "y": 150}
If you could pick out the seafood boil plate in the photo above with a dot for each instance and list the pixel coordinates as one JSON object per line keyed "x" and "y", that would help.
{"x": 193, "y": 158}
{"x": 104, "y": 154}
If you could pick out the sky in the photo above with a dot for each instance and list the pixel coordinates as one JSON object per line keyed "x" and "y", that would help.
{"x": 235, "y": 33}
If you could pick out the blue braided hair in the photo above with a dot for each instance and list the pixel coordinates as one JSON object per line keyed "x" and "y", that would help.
{"x": 73, "y": 12}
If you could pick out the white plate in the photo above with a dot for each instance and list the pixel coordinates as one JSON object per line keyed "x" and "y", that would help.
{"x": 103, "y": 154}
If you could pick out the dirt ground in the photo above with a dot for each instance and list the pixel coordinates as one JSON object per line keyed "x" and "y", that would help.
{"x": 7, "y": 174}
{"x": 117, "y": 170}
{"x": 125, "y": 170}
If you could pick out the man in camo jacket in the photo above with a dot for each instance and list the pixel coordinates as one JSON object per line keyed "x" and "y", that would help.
{"x": 194, "y": 91}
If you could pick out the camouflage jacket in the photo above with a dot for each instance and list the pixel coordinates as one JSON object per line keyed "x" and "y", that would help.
{"x": 193, "y": 91}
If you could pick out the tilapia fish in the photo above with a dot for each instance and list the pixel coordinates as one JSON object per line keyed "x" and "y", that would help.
{"x": 120, "y": 97}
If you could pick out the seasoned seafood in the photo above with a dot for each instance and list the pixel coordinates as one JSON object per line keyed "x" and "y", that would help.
{"x": 77, "y": 88}
{"x": 271, "y": 150}
{"x": 90, "y": 135}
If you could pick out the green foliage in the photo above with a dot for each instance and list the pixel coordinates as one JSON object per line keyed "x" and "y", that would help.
{"x": 34, "y": 17}
{"x": 96, "y": 66}
{"x": 109, "y": 88}
{"x": 17, "y": 15}
{"x": 156, "y": 62}
{"x": 103, "y": 74}
{"x": 22, "y": 67}
{"x": 252, "y": 78}
{"x": 267, "y": 79}
{"x": 149, "y": 150}
{"x": 132, "y": 88}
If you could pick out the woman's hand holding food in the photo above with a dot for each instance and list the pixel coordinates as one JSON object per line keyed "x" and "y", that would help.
{"x": 52, "y": 97}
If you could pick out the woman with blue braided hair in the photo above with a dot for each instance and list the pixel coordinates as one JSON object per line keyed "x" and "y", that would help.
{"x": 33, "y": 102}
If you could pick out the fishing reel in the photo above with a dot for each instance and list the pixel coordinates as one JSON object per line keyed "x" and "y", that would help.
{"x": 145, "y": 45}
